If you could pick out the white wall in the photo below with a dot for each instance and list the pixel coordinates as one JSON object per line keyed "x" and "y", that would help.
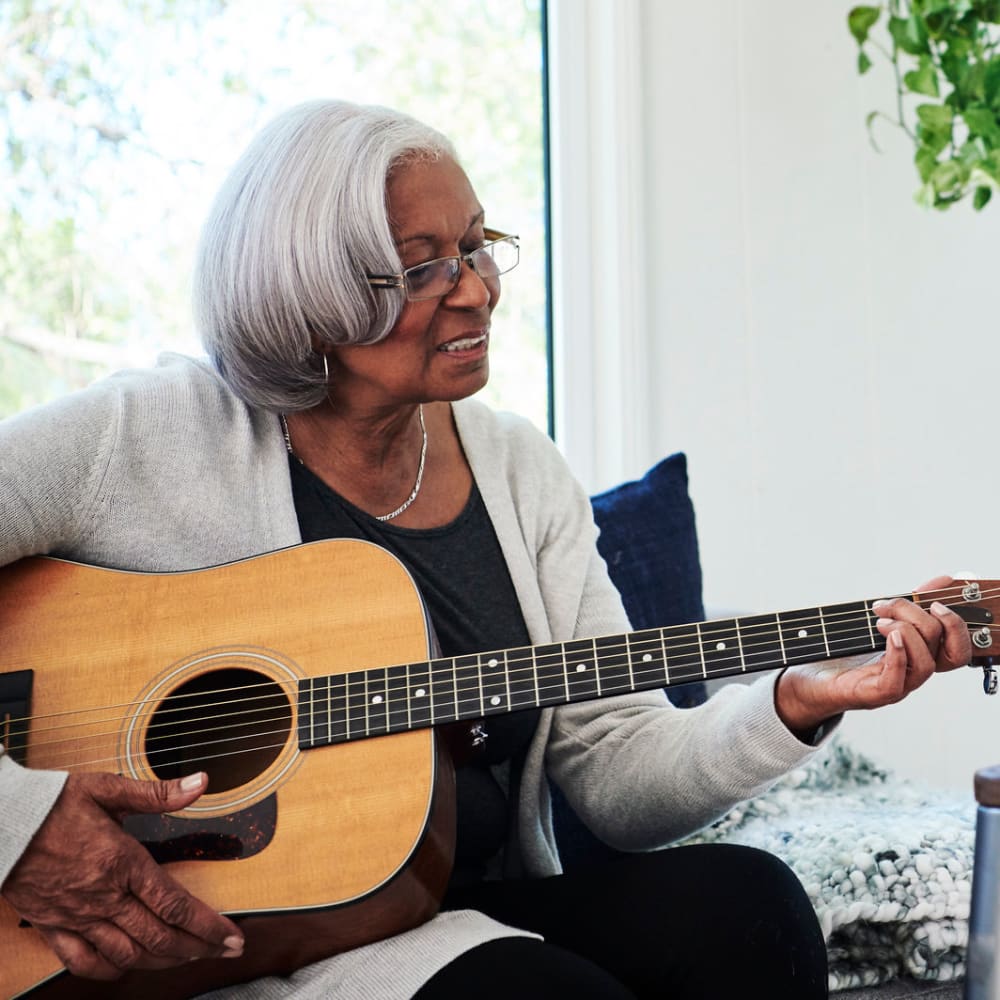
{"x": 823, "y": 350}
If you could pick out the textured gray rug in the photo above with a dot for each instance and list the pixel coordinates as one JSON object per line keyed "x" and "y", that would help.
{"x": 887, "y": 864}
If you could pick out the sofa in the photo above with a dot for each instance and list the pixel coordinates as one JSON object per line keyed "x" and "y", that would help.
{"x": 887, "y": 864}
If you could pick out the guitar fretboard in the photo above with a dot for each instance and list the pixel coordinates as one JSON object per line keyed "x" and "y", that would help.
{"x": 376, "y": 702}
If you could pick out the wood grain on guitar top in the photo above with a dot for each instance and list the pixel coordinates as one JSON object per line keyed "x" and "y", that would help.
{"x": 364, "y": 832}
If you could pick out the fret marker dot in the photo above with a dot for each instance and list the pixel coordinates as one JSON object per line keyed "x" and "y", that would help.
{"x": 495, "y": 700}
{"x": 420, "y": 692}
{"x": 720, "y": 646}
{"x": 377, "y": 700}
{"x": 492, "y": 663}
{"x": 647, "y": 657}
{"x": 802, "y": 633}
{"x": 580, "y": 667}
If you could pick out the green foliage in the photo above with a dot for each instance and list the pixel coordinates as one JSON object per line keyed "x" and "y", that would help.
{"x": 945, "y": 50}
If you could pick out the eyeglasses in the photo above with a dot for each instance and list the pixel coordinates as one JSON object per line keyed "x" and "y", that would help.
{"x": 438, "y": 277}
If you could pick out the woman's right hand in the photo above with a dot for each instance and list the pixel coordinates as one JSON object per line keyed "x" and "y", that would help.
{"x": 98, "y": 897}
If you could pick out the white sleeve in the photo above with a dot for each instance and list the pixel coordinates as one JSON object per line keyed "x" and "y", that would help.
{"x": 26, "y": 796}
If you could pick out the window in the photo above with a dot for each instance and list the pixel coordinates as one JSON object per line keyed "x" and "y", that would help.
{"x": 119, "y": 121}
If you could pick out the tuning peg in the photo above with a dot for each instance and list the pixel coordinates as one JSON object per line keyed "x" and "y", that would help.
{"x": 990, "y": 682}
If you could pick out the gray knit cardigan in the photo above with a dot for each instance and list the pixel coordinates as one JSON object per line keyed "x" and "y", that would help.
{"x": 167, "y": 470}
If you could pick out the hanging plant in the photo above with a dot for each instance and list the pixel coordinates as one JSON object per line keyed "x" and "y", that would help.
{"x": 947, "y": 68}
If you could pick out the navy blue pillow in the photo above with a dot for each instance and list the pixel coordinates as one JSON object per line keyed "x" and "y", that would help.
{"x": 649, "y": 542}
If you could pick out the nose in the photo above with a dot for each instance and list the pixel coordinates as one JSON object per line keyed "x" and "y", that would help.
{"x": 472, "y": 290}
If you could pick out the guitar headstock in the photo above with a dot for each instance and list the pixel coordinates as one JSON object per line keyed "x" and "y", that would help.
{"x": 977, "y": 602}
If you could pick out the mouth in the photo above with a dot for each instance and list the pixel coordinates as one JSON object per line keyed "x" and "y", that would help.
{"x": 464, "y": 344}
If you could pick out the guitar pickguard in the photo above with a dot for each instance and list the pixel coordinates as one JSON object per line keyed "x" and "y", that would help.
{"x": 236, "y": 835}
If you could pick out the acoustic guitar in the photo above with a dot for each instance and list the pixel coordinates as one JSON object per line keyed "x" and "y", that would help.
{"x": 301, "y": 682}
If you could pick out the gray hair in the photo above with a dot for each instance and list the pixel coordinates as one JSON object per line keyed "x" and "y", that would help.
{"x": 284, "y": 253}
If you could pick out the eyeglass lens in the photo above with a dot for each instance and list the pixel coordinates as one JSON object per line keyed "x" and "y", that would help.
{"x": 439, "y": 277}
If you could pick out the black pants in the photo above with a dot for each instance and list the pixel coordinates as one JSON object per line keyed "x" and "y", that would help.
{"x": 705, "y": 922}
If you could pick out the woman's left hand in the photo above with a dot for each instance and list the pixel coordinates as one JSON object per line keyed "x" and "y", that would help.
{"x": 918, "y": 643}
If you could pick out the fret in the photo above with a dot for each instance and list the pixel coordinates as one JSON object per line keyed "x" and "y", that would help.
{"x": 376, "y": 692}
{"x": 305, "y": 713}
{"x": 739, "y": 642}
{"x": 760, "y": 642}
{"x": 524, "y": 681}
{"x": 336, "y": 707}
{"x": 649, "y": 669}
{"x": 850, "y": 628}
{"x": 871, "y": 625}
{"x": 471, "y": 686}
{"x": 612, "y": 665}
{"x": 506, "y": 678}
{"x": 397, "y": 696}
{"x": 683, "y": 654}
{"x": 534, "y": 674}
{"x": 581, "y": 675}
{"x": 312, "y": 715}
{"x": 421, "y": 713}
{"x": 721, "y": 649}
{"x": 357, "y": 705}
{"x": 550, "y": 666}
{"x": 495, "y": 672}
{"x": 320, "y": 725}
{"x": 781, "y": 639}
{"x": 822, "y": 625}
{"x": 550, "y": 670}
{"x": 443, "y": 705}
{"x": 521, "y": 677}
{"x": 802, "y": 635}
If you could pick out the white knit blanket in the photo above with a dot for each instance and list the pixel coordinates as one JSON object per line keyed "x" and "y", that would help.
{"x": 887, "y": 864}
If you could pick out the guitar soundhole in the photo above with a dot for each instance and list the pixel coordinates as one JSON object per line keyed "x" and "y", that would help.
{"x": 230, "y": 723}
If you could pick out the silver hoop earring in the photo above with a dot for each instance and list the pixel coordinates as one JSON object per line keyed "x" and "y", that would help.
{"x": 326, "y": 369}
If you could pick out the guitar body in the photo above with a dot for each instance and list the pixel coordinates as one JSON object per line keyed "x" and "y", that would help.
{"x": 300, "y": 682}
{"x": 313, "y": 851}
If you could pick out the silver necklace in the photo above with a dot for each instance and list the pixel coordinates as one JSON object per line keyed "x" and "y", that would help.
{"x": 420, "y": 468}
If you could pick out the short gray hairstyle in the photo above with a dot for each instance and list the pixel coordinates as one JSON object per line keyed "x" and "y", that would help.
{"x": 298, "y": 224}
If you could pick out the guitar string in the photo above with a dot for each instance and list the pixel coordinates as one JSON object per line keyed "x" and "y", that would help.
{"x": 381, "y": 728}
{"x": 741, "y": 629}
{"x": 515, "y": 665}
{"x": 742, "y": 623}
{"x": 287, "y": 730}
{"x": 546, "y": 693}
{"x": 445, "y": 665}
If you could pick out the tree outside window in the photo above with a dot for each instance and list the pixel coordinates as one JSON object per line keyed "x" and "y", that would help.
{"x": 119, "y": 120}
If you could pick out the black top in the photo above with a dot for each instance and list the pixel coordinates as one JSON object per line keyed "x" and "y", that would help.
{"x": 467, "y": 590}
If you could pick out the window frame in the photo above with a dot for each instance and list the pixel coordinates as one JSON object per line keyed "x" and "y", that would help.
{"x": 600, "y": 333}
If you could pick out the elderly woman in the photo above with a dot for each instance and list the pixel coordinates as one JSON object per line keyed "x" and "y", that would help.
{"x": 344, "y": 290}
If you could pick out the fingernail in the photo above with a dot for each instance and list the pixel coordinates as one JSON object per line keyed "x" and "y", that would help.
{"x": 882, "y": 622}
{"x": 193, "y": 781}
{"x": 878, "y": 604}
{"x": 896, "y": 639}
{"x": 234, "y": 947}
{"x": 938, "y": 608}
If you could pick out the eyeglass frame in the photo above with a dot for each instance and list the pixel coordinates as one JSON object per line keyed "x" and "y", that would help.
{"x": 399, "y": 280}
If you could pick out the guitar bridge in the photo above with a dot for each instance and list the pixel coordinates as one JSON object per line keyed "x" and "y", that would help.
{"x": 15, "y": 704}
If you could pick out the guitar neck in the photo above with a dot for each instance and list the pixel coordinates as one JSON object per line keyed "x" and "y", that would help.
{"x": 376, "y": 702}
